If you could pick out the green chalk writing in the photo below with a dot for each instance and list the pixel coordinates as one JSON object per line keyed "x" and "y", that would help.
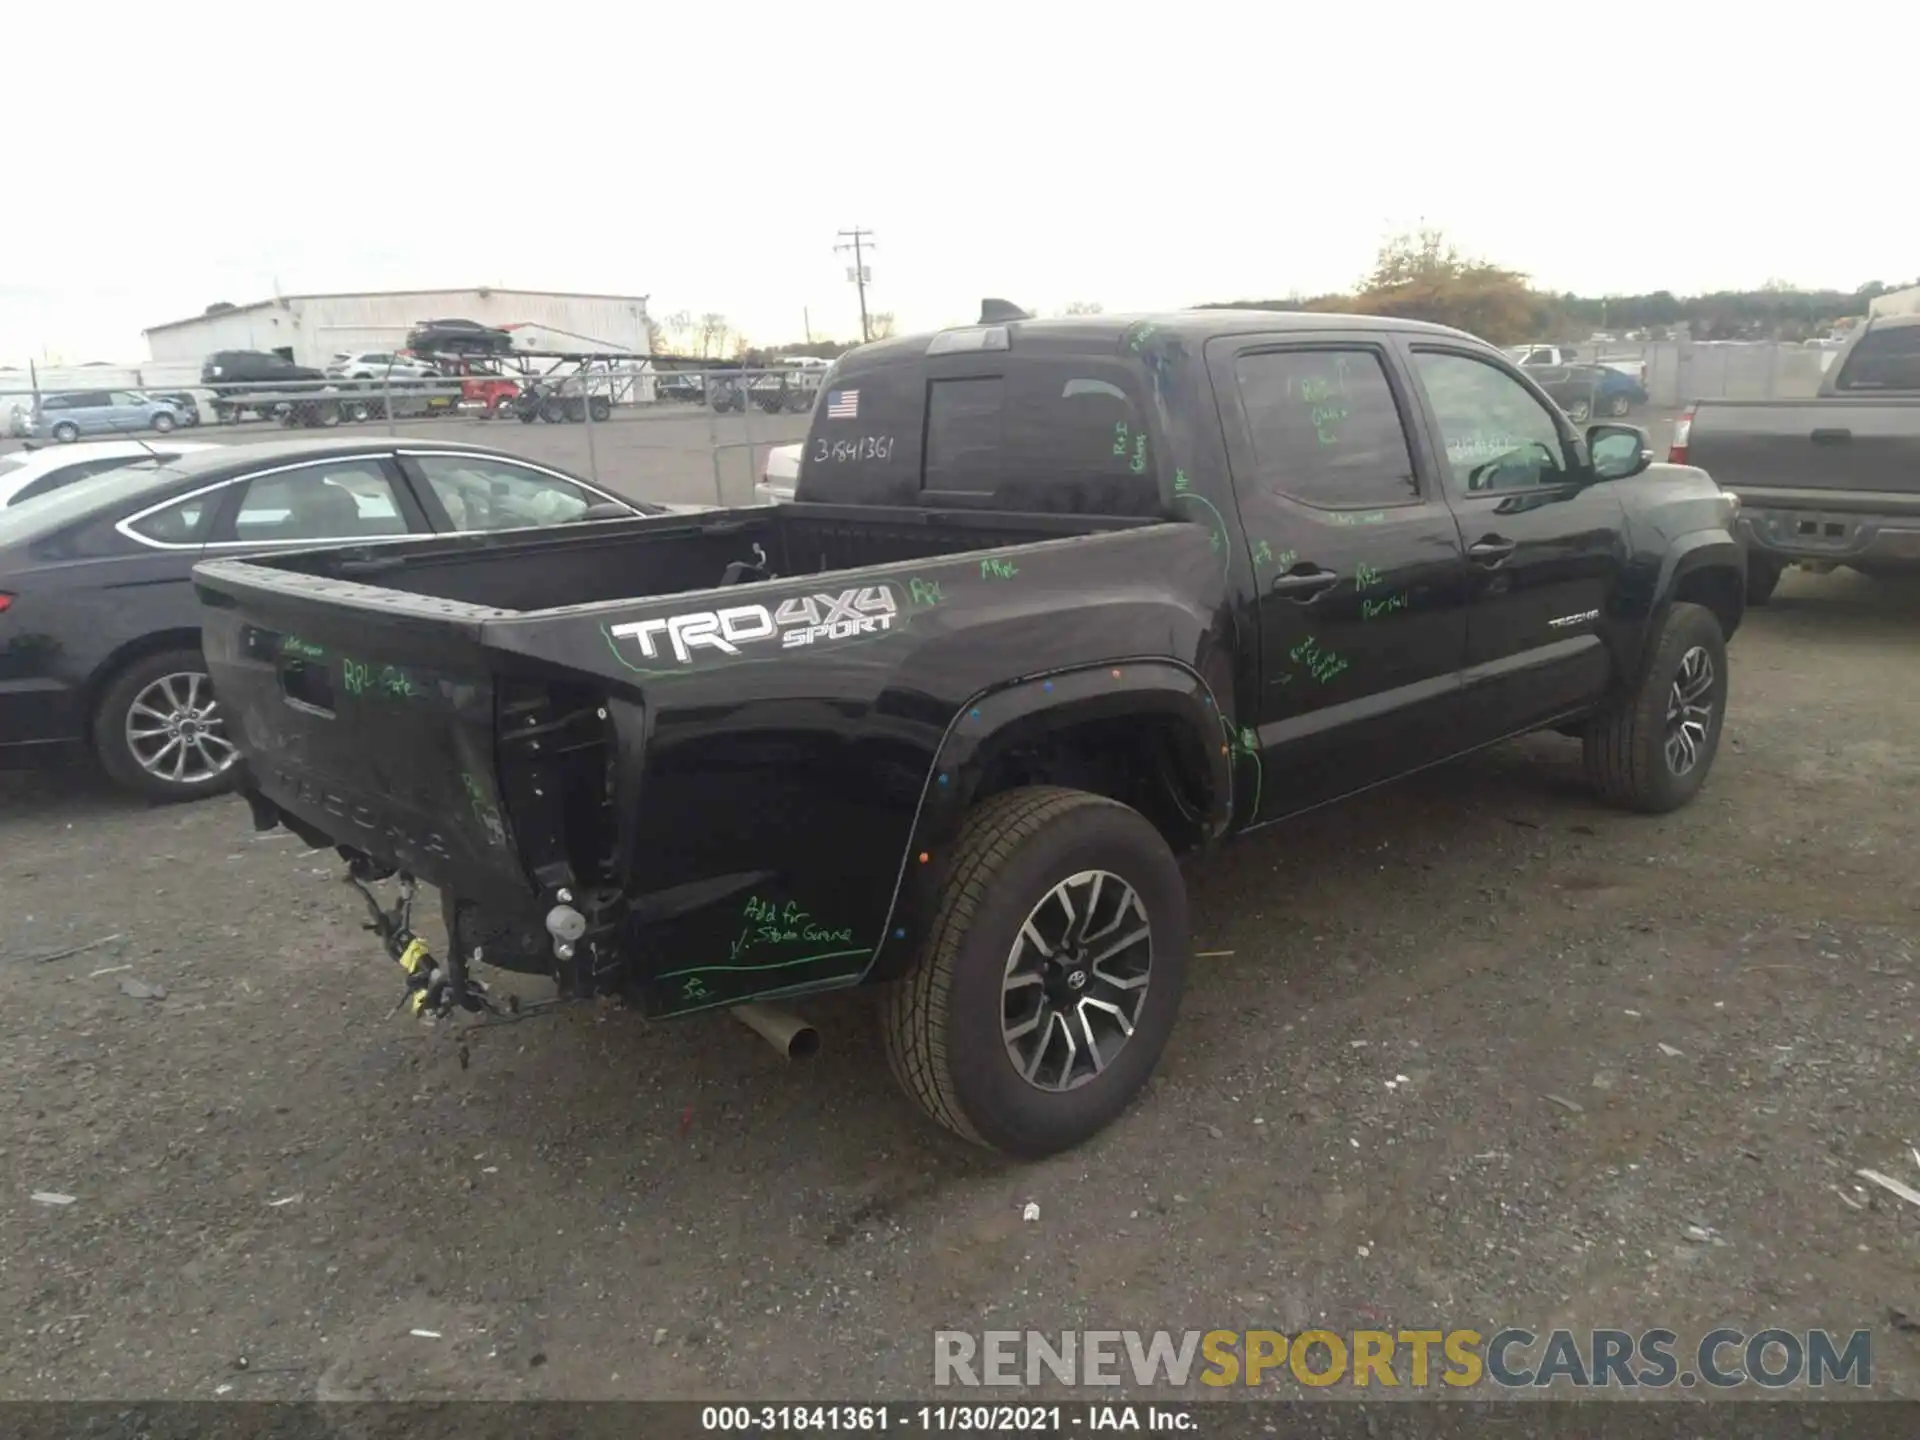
{"x": 1386, "y": 605}
{"x": 1357, "y": 517}
{"x": 998, "y": 570}
{"x": 1265, "y": 555}
{"x": 924, "y": 592}
{"x": 1180, "y": 482}
{"x": 294, "y": 645}
{"x": 766, "y": 924}
{"x": 1119, "y": 437}
{"x": 391, "y": 681}
{"x": 1364, "y": 576}
{"x": 483, "y": 809}
{"x": 1139, "y": 454}
{"x": 1321, "y": 663}
{"x": 694, "y": 989}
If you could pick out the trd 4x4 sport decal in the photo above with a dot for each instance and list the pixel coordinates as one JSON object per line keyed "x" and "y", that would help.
{"x": 677, "y": 642}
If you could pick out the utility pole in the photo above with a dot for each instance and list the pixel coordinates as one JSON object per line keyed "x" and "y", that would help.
{"x": 859, "y": 272}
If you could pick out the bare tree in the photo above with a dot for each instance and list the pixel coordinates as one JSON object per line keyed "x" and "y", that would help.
{"x": 712, "y": 333}
{"x": 672, "y": 333}
{"x": 882, "y": 325}
{"x": 1083, "y": 307}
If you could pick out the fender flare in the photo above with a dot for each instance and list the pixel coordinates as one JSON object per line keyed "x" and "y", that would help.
{"x": 1027, "y": 708}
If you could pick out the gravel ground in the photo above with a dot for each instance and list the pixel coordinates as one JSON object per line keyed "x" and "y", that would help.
{"x": 1640, "y": 1056}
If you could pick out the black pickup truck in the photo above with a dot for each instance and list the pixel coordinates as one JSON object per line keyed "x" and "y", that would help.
{"x": 1827, "y": 481}
{"x": 1056, "y": 601}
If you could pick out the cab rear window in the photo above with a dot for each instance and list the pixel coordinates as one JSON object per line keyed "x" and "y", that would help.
{"x": 1045, "y": 434}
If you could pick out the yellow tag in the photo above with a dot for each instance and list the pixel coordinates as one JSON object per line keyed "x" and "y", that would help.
{"x": 411, "y": 957}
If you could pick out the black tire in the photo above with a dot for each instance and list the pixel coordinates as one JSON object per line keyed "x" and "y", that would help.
{"x": 554, "y": 411}
{"x": 943, "y": 1021}
{"x": 163, "y": 423}
{"x": 575, "y": 410}
{"x": 1763, "y": 577}
{"x": 1627, "y": 749}
{"x": 113, "y": 712}
{"x": 1619, "y": 405}
{"x": 600, "y": 408}
{"x": 66, "y": 432}
{"x": 527, "y": 413}
{"x": 1579, "y": 411}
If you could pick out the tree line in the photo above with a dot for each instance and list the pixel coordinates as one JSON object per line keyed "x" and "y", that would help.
{"x": 1423, "y": 276}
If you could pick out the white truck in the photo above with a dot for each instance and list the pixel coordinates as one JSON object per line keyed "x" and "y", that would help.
{"x": 1533, "y": 357}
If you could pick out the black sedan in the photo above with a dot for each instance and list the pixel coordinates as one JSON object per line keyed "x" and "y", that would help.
{"x": 99, "y": 625}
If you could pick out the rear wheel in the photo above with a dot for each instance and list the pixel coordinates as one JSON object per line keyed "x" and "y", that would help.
{"x": 1050, "y": 977}
{"x": 159, "y": 731}
{"x": 1619, "y": 405}
{"x": 1653, "y": 751}
{"x": 66, "y": 432}
{"x": 600, "y": 408}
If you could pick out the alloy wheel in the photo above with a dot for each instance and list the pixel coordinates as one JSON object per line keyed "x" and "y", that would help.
{"x": 176, "y": 731}
{"x": 1076, "y": 979}
{"x": 1689, "y": 710}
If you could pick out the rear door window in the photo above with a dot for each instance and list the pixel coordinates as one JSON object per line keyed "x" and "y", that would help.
{"x": 346, "y": 499}
{"x": 1325, "y": 428}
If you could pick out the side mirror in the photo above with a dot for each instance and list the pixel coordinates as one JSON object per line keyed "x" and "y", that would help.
{"x": 1618, "y": 452}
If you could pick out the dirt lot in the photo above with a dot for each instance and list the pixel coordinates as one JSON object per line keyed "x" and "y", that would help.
{"x": 265, "y": 1166}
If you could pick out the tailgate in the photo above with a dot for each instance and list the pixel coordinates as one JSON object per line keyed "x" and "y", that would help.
{"x": 365, "y": 714}
{"x": 1870, "y": 447}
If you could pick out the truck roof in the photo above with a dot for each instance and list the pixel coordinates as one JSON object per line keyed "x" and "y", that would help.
{"x": 1077, "y": 334}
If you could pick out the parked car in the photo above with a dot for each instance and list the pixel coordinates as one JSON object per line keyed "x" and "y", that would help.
{"x": 25, "y": 474}
{"x": 379, "y": 365}
{"x": 1065, "y": 598}
{"x": 780, "y": 475}
{"x": 458, "y": 337}
{"x": 1552, "y": 356}
{"x": 256, "y": 380}
{"x": 1584, "y": 391}
{"x": 1829, "y": 481}
{"x": 67, "y": 417}
{"x": 184, "y": 401}
{"x": 680, "y": 385}
{"x": 99, "y": 632}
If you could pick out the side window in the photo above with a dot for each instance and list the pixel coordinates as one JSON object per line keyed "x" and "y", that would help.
{"x": 1498, "y": 436}
{"x": 481, "y": 493}
{"x": 338, "y": 500}
{"x": 965, "y": 427}
{"x": 1325, "y": 428}
{"x": 179, "y": 523}
{"x": 1885, "y": 359}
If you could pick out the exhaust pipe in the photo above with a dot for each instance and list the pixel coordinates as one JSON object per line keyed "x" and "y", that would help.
{"x": 786, "y": 1032}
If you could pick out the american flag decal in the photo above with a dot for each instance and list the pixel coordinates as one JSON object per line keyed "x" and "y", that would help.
{"x": 843, "y": 405}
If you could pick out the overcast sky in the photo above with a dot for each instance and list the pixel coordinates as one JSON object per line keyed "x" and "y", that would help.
{"x": 705, "y": 153}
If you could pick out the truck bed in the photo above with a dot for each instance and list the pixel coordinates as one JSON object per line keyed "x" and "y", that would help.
{"x": 460, "y": 706}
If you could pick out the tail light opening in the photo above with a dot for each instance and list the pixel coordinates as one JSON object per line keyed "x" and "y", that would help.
{"x": 1682, "y": 438}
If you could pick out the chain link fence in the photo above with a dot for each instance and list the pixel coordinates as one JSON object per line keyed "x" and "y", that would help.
{"x": 685, "y": 432}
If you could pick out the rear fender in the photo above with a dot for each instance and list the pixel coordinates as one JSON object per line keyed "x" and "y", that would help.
{"x": 1017, "y": 715}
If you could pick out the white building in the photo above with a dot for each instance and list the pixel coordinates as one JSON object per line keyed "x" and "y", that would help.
{"x": 307, "y": 329}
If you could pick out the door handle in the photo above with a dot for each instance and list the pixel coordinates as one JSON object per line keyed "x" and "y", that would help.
{"x": 1491, "y": 551}
{"x": 1832, "y": 437}
{"x": 1304, "y": 585}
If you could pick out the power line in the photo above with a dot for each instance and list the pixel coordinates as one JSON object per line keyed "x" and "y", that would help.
{"x": 859, "y": 277}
